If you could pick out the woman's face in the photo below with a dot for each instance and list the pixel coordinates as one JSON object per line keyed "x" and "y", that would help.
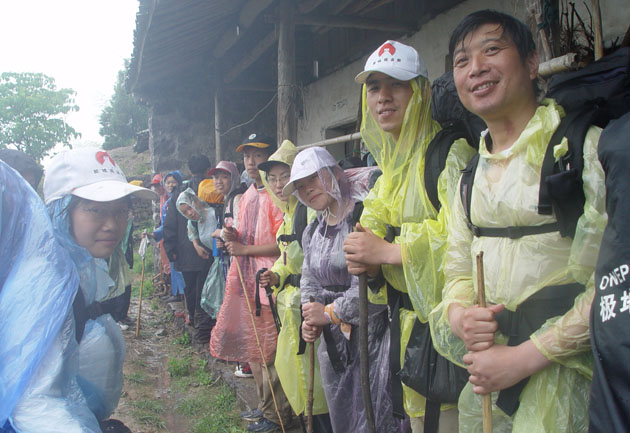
{"x": 222, "y": 182}
{"x": 189, "y": 212}
{"x": 278, "y": 177}
{"x": 99, "y": 226}
{"x": 312, "y": 192}
{"x": 170, "y": 184}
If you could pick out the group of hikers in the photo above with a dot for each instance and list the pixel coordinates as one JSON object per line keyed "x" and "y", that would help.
{"x": 478, "y": 295}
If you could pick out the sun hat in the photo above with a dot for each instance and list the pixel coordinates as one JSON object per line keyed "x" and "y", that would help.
{"x": 306, "y": 163}
{"x": 227, "y": 167}
{"x": 259, "y": 141}
{"x": 89, "y": 173}
{"x": 396, "y": 60}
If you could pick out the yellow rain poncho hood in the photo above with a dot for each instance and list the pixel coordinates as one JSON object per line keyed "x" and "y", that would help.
{"x": 285, "y": 154}
{"x": 399, "y": 199}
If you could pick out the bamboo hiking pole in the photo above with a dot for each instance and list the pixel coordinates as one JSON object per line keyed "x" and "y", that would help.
{"x": 363, "y": 353}
{"x": 311, "y": 384}
{"x": 486, "y": 399}
{"x": 262, "y": 355}
{"x": 140, "y": 303}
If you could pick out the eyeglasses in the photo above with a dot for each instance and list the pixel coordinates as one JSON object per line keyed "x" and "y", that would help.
{"x": 282, "y": 179}
{"x": 103, "y": 214}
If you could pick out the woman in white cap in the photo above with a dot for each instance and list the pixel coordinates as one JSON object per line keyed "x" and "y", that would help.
{"x": 89, "y": 201}
{"x": 321, "y": 184}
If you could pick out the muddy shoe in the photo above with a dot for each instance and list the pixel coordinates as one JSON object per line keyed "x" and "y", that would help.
{"x": 264, "y": 425}
{"x": 113, "y": 426}
{"x": 252, "y": 415}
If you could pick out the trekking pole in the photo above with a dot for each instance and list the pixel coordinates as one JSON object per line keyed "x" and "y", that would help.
{"x": 311, "y": 383}
{"x": 363, "y": 352}
{"x": 262, "y": 355}
{"x": 486, "y": 399}
{"x": 142, "y": 252}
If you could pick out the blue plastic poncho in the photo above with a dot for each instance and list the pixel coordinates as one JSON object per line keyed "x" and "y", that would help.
{"x": 38, "y": 283}
{"x": 102, "y": 348}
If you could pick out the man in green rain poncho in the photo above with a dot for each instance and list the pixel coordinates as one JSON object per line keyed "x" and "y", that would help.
{"x": 406, "y": 267}
{"x": 284, "y": 278}
{"x": 533, "y": 268}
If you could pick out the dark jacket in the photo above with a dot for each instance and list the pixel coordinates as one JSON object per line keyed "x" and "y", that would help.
{"x": 176, "y": 244}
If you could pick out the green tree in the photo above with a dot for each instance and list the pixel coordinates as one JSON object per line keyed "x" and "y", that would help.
{"x": 32, "y": 113}
{"x": 123, "y": 118}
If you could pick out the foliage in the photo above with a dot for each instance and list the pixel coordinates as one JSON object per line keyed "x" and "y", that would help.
{"x": 123, "y": 117}
{"x": 179, "y": 367}
{"x": 32, "y": 113}
{"x": 149, "y": 412}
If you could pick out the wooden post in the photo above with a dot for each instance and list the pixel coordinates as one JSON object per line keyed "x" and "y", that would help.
{"x": 597, "y": 29}
{"x": 286, "y": 114}
{"x": 217, "y": 126}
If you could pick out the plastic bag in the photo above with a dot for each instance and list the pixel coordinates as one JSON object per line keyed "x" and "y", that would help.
{"x": 213, "y": 288}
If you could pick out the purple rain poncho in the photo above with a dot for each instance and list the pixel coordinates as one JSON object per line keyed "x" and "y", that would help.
{"x": 324, "y": 266}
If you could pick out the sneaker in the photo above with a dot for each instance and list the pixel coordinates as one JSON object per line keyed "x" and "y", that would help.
{"x": 174, "y": 298}
{"x": 123, "y": 326}
{"x": 263, "y": 425}
{"x": 252, "y": 415}
{"x": 243, "y": 371}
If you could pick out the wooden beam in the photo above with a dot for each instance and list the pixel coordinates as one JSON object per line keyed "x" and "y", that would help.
{"x": 254, "y": 55}
{"x": 246, "y": 17}
{"x": 286, "y": 116}
{"x": 247, "y": 88}
{"x": 351, "y": 22}
{"x": 218, "y": 151}
{"x": 309, "y": 5}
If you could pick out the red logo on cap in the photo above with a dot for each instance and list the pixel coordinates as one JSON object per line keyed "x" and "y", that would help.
{"x": 387, "y": 47}
{"x": 100, "y": 157}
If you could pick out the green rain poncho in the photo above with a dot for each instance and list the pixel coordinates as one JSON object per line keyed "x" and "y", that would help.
{"x": 399, "y": 199}
{"x": 293, "y": 369}
{"x": 505, "y": 193}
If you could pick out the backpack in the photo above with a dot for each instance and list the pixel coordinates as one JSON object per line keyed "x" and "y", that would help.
{"x": 456, "y": 121}
{"x": 594, "y": 95}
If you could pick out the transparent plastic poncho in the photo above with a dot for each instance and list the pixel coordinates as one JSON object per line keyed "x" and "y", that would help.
{"x": 233, "y": 337}
{"x": 38, "y": 282}
{"x": 324, "y": 266}
{"x": 399, "y": 199}
{"x": 555, "y": 398}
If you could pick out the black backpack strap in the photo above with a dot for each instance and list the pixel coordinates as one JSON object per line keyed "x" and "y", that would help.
{"x": 257, "y": 295}
{"x": 436, "y": 154}
{"x": 466, "y": 186}
{"x": 561, "y": 187}
{"x": 300, "y": 221}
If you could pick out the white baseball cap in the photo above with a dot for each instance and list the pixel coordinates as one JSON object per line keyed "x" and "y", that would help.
{"x": 306, "y": 163}
{"x": 396, "y": 60}
{"x": 89, "y": 173}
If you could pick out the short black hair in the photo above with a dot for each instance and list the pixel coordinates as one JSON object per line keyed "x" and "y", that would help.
{"x": 516, "y": 29}
{"x": 199, "y": 164}
{"x": 518, "y": 32}
{"x": 22, "y": 163}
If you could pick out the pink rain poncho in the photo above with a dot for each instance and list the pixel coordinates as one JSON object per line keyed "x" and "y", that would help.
{"x": 233, "y": 337}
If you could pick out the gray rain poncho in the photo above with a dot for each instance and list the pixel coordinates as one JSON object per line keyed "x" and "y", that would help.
{"x": 324, "y": 268}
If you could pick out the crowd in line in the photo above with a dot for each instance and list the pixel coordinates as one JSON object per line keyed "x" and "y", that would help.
{"x": 268, "y": 264}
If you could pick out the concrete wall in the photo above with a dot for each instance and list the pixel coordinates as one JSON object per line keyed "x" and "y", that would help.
{"x": 334, "y": 99}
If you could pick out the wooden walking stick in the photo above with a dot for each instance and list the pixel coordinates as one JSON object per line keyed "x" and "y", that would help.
{"x": 262, "y": 355}
{"x": 311, "y": 384}
{"x": 142, "y": 252}
{"x": 486, "y": 399}
{"x": 363, "y": 352}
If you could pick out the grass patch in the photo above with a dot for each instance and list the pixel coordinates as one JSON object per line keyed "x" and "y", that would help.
{"x": 183, "y": 340}
{"x": 221, "y": 413}
{"x": 179, "y": 367}
{"x": 137, "y": 377}
{"x": 149, "y": 412}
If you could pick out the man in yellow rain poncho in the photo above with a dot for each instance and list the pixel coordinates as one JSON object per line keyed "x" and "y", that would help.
{"x": 535, "y": 269}
{"x": 397, "y": 128}
{"x": 292, "y": 364}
